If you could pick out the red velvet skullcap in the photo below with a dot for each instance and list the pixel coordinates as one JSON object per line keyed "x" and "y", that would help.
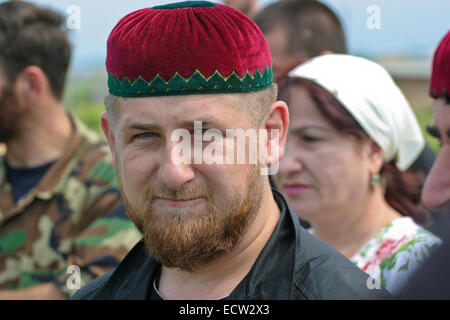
{"x": 187, "y": 47}
{"x": 440, "y": 76}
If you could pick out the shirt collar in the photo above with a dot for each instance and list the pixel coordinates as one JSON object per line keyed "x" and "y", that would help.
{"x": 272, "y": 274}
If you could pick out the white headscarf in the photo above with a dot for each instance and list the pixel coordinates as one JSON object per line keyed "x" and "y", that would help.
{"x": 368, "y": 92}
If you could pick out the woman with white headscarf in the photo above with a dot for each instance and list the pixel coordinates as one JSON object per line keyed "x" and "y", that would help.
{"x": 351, "y": 137}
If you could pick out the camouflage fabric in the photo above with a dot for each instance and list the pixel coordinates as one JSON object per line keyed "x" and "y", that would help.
{"x": 74, "y": 216}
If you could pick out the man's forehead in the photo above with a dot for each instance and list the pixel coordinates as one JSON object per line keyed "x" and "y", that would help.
{"x": 177, "y": 109}
{"x": 442, "y": 114}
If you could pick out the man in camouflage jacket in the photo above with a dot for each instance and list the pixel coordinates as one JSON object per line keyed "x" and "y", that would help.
{"x": 61, "y": 218}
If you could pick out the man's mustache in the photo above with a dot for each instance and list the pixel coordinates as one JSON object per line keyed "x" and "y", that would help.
{"x": 189, "y": 193}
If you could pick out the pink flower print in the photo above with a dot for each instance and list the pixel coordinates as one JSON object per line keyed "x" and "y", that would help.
{"x": 386, "y": 249}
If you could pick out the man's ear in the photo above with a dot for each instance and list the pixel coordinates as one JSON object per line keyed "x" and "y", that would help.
{"x": 109, "y": 134}
{"x": 30, "y": 85}
{"x": 276, "y": 124}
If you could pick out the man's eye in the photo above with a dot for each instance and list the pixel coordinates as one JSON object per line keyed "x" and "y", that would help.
{"x": 200, "y": 132}
{"x": 146, "y": 135}
{"x": 310, "y": 139}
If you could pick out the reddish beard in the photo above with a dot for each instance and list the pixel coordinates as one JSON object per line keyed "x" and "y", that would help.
{"x": 186, "y": 238}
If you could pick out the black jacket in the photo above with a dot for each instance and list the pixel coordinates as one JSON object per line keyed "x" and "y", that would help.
{"x": 293, "y": 265}
{"x": 431, "y": 281}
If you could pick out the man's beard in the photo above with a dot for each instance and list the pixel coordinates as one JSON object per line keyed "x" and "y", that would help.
{"x": 186, "y": 239}
{"x": 8, "y": 114}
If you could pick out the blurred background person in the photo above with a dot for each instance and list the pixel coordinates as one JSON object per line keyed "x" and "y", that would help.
{"x": 432, "y": 280}
{"x": 59, "y": 205}
{"x": 351, "y": 137}
{"x": 436, "y": 191}
{"x": 298, "y": 30}
{"x": 247, "y": 7}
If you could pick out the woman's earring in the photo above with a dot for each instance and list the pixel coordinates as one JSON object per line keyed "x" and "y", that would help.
{"x": 374, "y": 179}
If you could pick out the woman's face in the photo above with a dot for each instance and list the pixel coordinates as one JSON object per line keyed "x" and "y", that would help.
{"x": 323, "y": 172}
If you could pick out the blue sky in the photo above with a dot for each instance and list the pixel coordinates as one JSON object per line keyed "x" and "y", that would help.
{"x": 407, "y": 27}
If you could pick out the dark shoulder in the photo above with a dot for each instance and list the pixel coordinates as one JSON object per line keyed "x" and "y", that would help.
{"x": 92, "y": 290}
{"x": 129, "y": 280}
{"x": 324, "y": 273}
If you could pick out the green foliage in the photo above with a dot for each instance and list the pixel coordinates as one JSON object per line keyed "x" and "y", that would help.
{"x": 84, "y": 98}
{"x": 90, "y": 113}
{"x": 425, "y": 118}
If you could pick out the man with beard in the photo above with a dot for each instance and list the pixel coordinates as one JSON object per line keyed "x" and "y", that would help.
{"x": 432, "y": 280}
{"x": 211, "y": 230}
{"x": 60, "y": 210}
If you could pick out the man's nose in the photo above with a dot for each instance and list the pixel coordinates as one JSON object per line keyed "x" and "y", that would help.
{"x": 436, "y": 190}
{"x": 174, "y": 172}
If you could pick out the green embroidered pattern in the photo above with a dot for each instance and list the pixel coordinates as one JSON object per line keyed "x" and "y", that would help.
{"x": 195, "y": 84}
{"x": 186, "y": 4}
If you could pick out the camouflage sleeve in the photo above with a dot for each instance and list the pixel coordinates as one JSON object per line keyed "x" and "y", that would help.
{"x": 104, "y": 233}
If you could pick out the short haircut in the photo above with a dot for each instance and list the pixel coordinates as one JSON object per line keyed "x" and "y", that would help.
{"x": 255, "y": 104}
{"x": 31, "y": 35}
{"x": 311, "y": 26}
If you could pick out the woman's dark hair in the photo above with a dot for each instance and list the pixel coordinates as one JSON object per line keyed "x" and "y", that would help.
{"x": 402, "y": 188}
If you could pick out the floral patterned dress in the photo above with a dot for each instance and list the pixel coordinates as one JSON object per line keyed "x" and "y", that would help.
{"x": 395, "y": 253}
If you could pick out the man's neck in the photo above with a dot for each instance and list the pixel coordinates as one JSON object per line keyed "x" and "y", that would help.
{"x": 348, "y": 230}
{"x": 41, "y": 139}
{"x": 219, "y": 278}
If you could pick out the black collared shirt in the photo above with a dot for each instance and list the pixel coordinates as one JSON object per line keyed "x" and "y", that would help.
{"x": 293, "y": 265}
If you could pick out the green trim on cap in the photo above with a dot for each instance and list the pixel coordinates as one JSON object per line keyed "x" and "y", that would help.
{"x": 197, "y": 83}
{"x": 186, "y": 4}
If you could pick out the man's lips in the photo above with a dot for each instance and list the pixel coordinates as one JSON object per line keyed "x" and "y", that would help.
{"x": 179, "y": 202}
{"x": 293, "y": 190}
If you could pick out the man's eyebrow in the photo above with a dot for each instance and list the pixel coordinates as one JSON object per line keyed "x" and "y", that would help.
{"x": 183, "y": 124}
{"x": 434, "y": 131}
{"x": 141, "y": 126}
